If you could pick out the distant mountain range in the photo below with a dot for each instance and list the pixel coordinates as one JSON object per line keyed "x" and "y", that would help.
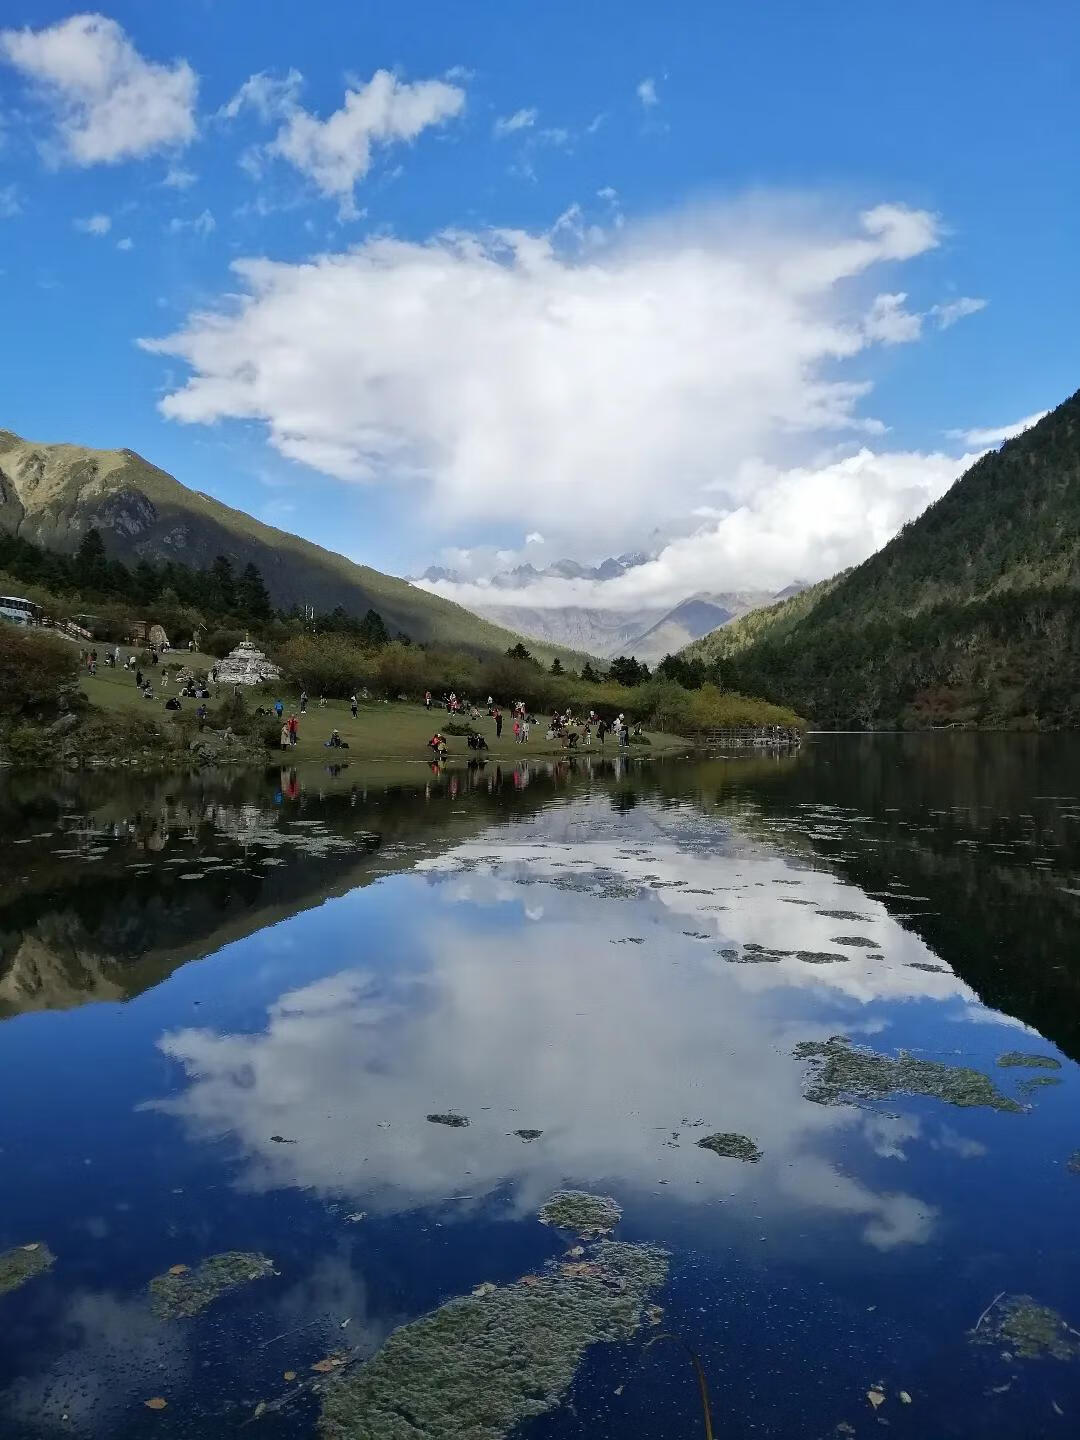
{"x": 970, "y": 616}
{"x": 646, "y": 632}
{"x": 52, "y": 494}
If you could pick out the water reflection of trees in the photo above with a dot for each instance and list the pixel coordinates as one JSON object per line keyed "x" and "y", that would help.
{"x": 92, "y": 906}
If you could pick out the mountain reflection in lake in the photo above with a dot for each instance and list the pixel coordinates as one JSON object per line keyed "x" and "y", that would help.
{"x": 229, "y": 1008}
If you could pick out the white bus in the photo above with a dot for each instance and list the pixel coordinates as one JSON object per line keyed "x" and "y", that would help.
{"x": 19, "y": 611}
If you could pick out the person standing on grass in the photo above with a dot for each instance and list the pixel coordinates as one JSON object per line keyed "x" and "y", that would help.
{"x": 524, "y": 729}
{"x": 427, "y": 699}
{"x": 498, "y": 723}
{"x": 303, "y": 702}
{"x": 294, "y": 730}
{"x": 286, "y": 736}
{"x": 279, "y": 709}
{"x": 352, "y": 705}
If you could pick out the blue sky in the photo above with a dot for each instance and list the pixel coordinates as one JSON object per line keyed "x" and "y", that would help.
{"x": 592, "y": 273}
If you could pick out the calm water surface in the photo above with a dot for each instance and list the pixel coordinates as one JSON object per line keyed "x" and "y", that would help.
{"x": 226, "y": 1009}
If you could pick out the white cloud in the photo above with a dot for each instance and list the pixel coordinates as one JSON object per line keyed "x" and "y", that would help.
{"x": 94, "y": 225}
{"x": 10, "y": 203}
{"x": 954, "y": 310}
{"x": 270, "y": 98}
{"x": 337, "y": 153}
{"x": 534, "y": 538}
{"x": 108, "y": 102}
{"x": 807, "y": 521}
{"x": 889, "y": 322}
{"x": 589, "y": 391}
{"x": 646, "y": 92}
{"x": 520, "y": 120}
{"x": 996, "y": 434}
{"x": 177, "y": 178}
{"x": 126, "y": 243}
{"x": 201, "y": 225}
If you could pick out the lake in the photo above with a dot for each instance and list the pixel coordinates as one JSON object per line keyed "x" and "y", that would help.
{"x": 229, "y": 1007}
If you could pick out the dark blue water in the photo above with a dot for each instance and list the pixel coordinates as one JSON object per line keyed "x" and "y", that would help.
{"x": 190, "y": 969}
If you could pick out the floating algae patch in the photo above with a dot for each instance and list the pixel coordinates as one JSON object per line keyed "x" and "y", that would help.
{"x": 182, "y": 1291}
{"x": 480, "y": 1365}
{"x": 587, "y": 1215}
{"x": 738, "y": 1147}
{"x": 1022, "y": 1059}
{"x": 24, "y": 1263}
{"x": 1023, "y": 1327}
{"x": 841, "y": 1073}
{"x": 448, "y": 1117}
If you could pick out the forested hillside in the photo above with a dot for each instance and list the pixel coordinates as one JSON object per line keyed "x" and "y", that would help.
{"x": 971, "y": 615}
{"x": 52, "y": 495}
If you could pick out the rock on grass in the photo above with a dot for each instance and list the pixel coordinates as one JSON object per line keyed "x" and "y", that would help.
{"x": 182, "y": 1291}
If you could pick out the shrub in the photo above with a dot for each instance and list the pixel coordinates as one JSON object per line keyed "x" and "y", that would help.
{"x": 38, "y": 673}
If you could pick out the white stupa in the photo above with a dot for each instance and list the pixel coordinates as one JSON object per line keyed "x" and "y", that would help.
{"x": 246, "y": 665}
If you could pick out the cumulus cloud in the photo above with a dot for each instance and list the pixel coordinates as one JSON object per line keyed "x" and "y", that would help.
{"x": 534, "y": 538}
{"x": 586, "y": 385}
{"x": 808, "y": 521}
{"x": 108, "y": 102}
{"x": 94, "y": 225}
{"x": 264, "y": 93}
{"x": 520, "y": 120}
{"x": 336, "y": 153}
{"x": 996, "y": 434}
{"x": 890, "y": 323}
{"x": 646, "y": 92}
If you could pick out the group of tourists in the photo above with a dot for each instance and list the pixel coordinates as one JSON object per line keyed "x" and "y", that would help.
{"x": 573, "y": 730}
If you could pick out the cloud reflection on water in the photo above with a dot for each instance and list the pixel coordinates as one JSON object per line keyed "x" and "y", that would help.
{"x": 615, "y": 1051}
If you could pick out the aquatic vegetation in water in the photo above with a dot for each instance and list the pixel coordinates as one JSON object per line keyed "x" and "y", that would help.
{"x": 841, "y": 1073}
{"x": 448, "y": 1117}
{"x": 24, "y": 1263}
{"x": 182, "y": 1291}
{"x": 1025, "y": 1328}
{"x": 1021, "y": 1058}
{"x": 481, "y": 1364}
{"x": 587, "y": 1215}
{"x": 738, "y": 1147}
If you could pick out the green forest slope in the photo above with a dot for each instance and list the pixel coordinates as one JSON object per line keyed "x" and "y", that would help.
{"x": 971, "y": 615}
{"x": 52, "y": 494}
